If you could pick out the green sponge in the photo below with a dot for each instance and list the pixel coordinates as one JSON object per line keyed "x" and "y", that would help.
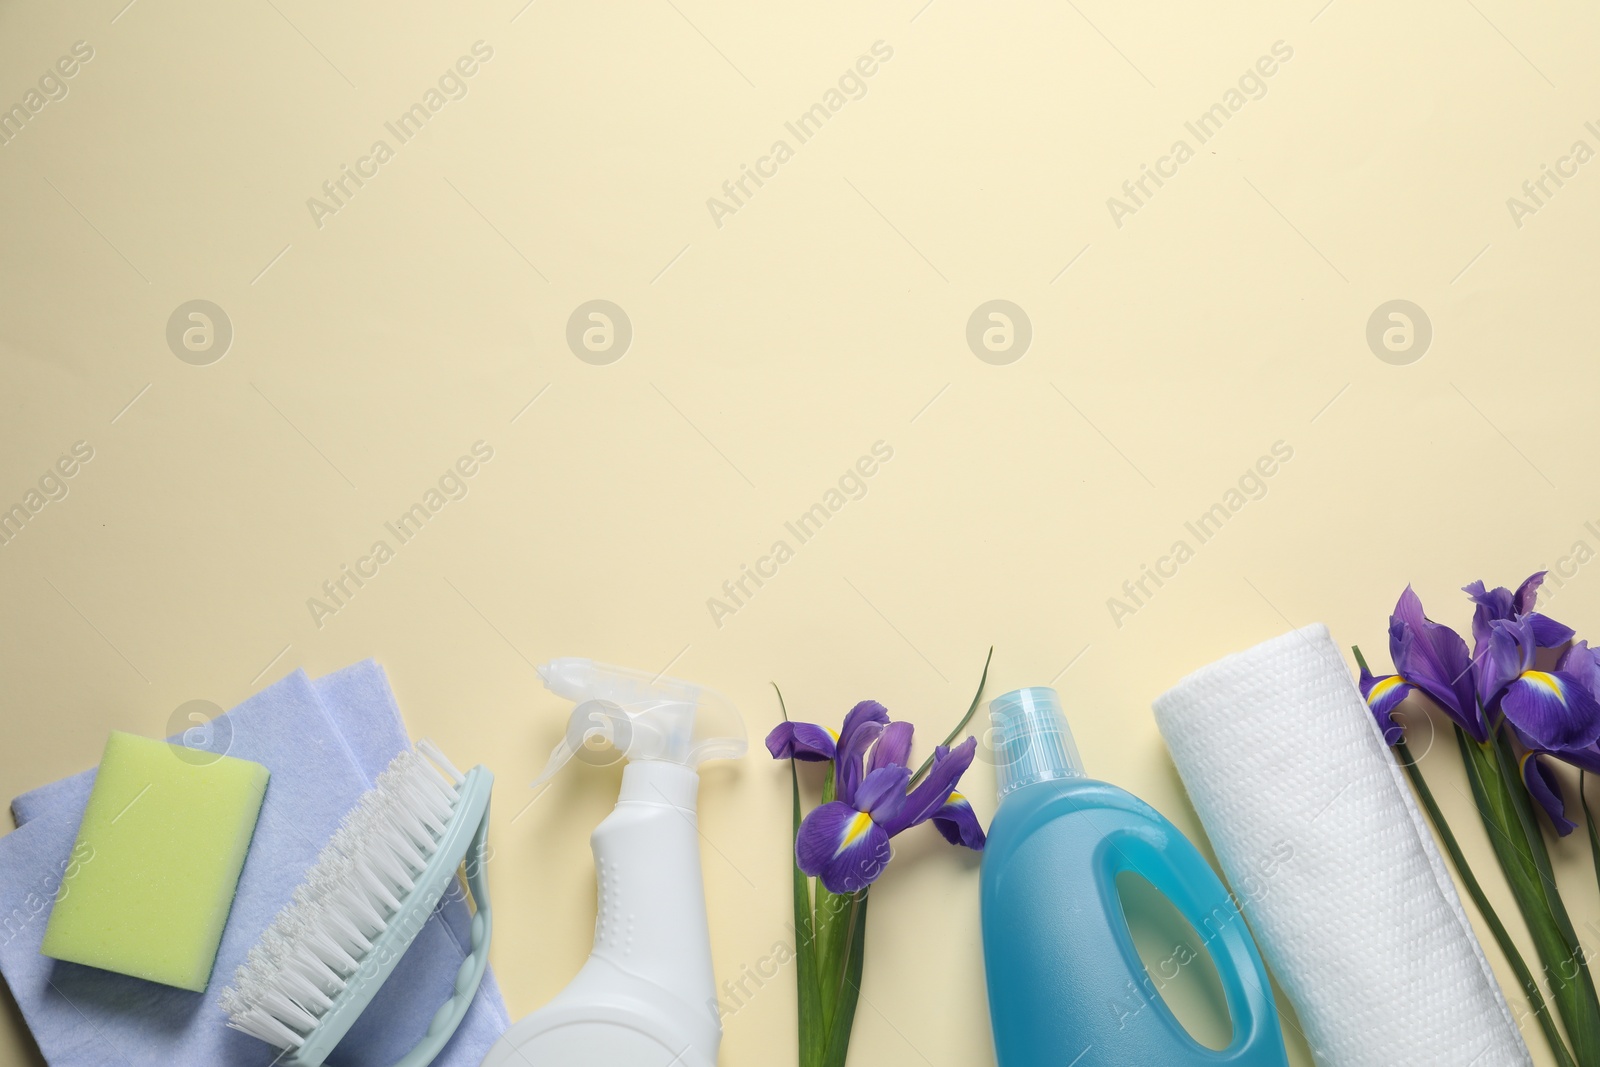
{"x": 161, "y": 845}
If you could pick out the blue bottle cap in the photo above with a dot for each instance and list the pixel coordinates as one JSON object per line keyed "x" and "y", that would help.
{"x": 1032, "y": 742}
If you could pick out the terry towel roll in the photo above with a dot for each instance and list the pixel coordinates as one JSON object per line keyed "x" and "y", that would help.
{"x": 1332, "y": 861}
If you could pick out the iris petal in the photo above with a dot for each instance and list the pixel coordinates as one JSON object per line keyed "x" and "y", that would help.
{"x": 959, "y": 823}
{"x": 1552, "y": 710}
{"x": 1383, "y": 695}
{"x": 883, "y": 792}
{"x": 864, "y": 712}
{"x": 949, "y": 764}
{"x": 848, "y": 769}
{"x": 859, "y": 865}
{"x": 1434, "y": 658}
{"x": 820, "y": 833}
{"x": 1583, "y": 663}
{"x": 862, "y": 725}
{"x": 861, "y": 851}
{"x": 1527, "y": 593}
{"x": 1545, "y": 787}
{"x": 1547, "y": 633}
{"x": 893, "y": 747}
{"x": 1501, "y": 659}
{"x": 1587, "y": 758}
{"x": 1492, "y": 604}
{"x": 1500, "y": 603}
{"x": 801, "y": 741}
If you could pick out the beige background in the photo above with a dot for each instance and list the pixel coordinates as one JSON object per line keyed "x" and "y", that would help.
{"x": 826, "y": 314}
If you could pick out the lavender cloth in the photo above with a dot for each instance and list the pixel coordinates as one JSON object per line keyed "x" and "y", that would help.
{"x": 324, "y": 743}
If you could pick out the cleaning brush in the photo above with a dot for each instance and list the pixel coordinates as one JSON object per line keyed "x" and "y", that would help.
{"x": 370, "y": 892}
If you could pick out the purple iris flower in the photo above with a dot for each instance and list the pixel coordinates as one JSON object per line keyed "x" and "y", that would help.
{"x": 846, "y": 841}
{"x": 1428, "y": 656}
{"x": 1581, "y": 663}
{"x": 1550, "y": 711}
{"x": 1502, "y": 603}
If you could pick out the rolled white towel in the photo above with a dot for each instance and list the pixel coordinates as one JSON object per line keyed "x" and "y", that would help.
{"x": 1332, "y": 861}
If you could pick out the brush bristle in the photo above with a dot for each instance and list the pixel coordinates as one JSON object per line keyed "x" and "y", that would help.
{"x": 318, "y": 941}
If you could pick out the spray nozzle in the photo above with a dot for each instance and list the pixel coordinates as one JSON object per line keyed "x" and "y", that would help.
{"x": 628, "y": 714}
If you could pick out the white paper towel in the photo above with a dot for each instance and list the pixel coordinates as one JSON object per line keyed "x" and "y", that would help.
{"x": 1332, "y": 861}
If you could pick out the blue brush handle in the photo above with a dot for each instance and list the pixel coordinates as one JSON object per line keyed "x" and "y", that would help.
{"x": 470, "y": 975}
{"x": 463, "y": 840}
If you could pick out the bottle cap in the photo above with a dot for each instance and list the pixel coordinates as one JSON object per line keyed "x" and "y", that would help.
{"x": 1032, "y": 742}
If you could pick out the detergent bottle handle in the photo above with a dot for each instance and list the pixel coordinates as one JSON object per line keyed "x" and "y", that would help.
{"x": 1176, "y": 868}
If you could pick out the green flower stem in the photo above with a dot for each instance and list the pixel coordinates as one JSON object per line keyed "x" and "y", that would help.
{"x": 1502, "y": 938}
{"x": 1519, "y": 846}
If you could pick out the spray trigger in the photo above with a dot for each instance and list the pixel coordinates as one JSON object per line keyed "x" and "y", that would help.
{"x": 623, "y": 714}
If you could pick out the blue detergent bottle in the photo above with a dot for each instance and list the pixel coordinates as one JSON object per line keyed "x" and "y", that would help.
{"x": 1066, "y": 985}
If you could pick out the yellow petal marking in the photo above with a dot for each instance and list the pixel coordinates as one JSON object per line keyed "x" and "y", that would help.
{"x": 1546, "y": 680}
{"x": 1382, "y": 688}
{"x": 854, "y": 829}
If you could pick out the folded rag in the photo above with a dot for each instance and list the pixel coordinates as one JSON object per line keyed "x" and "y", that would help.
{"x": 325, "y": 742}
{"x": 1332, "y": 862}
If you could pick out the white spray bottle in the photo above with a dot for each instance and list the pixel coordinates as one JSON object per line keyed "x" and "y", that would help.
{"x": 646, "y": 997}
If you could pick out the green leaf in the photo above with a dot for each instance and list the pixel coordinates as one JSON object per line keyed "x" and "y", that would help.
{"x": 832, "y": 929}
{"x": 1588, "y": 819}
{"x": 1502, "y": 937}
{"x": 811, "y": 1029}
{"x": 1520, "y": 858}
{"x": 927, "y": 764}
{"x": 1575, "y": 965}
{"x": 849, "y": 982}
{"x": 834, "y": 917}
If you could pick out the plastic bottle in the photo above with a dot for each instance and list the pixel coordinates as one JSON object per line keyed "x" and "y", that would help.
{"x": 646, "y": 997}
{"x": 1066, "y": 985}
